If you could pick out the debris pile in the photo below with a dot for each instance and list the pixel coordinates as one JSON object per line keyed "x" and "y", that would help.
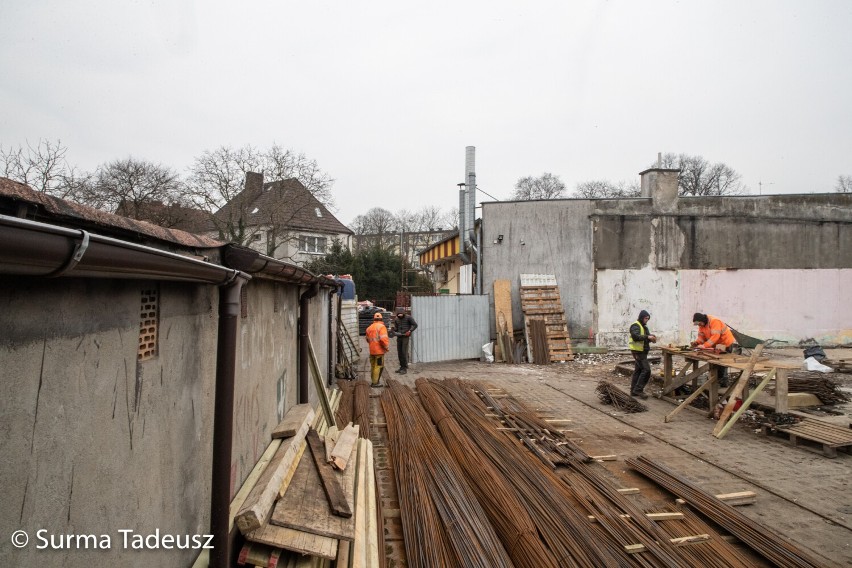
{"x": 827, "y": 390}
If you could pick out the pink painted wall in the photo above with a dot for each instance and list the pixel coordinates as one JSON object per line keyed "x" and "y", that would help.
{"x": 771, "y": 304}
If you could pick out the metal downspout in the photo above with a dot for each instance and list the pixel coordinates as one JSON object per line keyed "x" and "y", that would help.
{"x": 223, "y": 422}
{"x": 304, "y": 354}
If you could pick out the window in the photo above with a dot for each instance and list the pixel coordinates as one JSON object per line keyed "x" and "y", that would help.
{"x": 256, "y": 237}
{"x": 319, "y": 213}
{"x": 310, "y": 244}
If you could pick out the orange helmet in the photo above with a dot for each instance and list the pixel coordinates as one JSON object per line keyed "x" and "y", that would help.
{"x": 378, "y": 316}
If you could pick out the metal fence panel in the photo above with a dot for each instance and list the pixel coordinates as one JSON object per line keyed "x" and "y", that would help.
{"x": 449, "y": 327}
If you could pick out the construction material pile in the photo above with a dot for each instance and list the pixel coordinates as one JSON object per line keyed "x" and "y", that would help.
{"x": 610, "y": 394}
{"x": 471, "y": 495}
{"x": 826, "y": 389}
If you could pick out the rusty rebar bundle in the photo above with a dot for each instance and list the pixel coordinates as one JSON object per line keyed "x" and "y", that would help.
{"x": 824, "y": 388}
{"x": 610, "y": 394}
{"x": 498, "y": 498}
{"x": 343, "y": 414}
{"x": 759, "y": 538}
{"x": 361, "y": 408}
{"x": 435, "y": 493}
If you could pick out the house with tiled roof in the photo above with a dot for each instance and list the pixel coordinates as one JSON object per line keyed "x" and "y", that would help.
{"x": 281, "y": 219}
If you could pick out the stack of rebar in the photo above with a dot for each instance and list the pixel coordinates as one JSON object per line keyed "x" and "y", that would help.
{"x": 343, "y": 414}
{"x": 361, "y": 408}
{"x": 445, "y": 524}
{"x": 760, "y": 538}
{"x": 817, "y": 384}
{"x": 608, "y": 393}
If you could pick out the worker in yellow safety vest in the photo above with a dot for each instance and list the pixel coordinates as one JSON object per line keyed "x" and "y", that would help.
{"x": 640, "y": 339}
{"x": 379, "y": 343}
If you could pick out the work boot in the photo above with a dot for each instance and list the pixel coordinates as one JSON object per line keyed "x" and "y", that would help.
{"x": 403, "y": 371}
{"x": 641, "y": 394}
{"x": 376, "y": 385}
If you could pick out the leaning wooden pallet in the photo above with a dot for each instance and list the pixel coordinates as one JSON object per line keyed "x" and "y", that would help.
{"x": 543, "y": 302}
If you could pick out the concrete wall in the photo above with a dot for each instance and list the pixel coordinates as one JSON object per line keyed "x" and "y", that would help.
{"x": 92, "y": 441}
{"x": 612, "y": 256}
{"x": 787, "y": 305}
{"x": 552, "y": 237}
{"x": 95, "y": 441}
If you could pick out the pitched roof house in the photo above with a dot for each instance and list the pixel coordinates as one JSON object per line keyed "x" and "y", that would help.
{"x": 281, "y": 219}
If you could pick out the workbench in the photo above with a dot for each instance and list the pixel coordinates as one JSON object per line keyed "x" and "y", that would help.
{"x": 705, "y": 361}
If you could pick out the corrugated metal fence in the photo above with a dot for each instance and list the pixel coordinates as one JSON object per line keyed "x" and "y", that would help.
{"x": 449, "y": 327}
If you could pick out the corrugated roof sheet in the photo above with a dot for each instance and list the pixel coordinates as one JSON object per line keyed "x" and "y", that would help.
{"x": 52, "y": 208}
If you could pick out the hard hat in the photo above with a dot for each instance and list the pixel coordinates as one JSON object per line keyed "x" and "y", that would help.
{"x": 378, "y": 316}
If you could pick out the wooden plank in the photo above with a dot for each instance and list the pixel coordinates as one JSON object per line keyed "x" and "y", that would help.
{"x": 257, "y": 507}
{"x": 680, "y": 541}
{"x": 330, "y": 441}
{"x": 372, "y": 520}
{"x": 293, "y": 420}
{"x": 322, "y": 393}
{"x": 295, "y": 540}
{"x": 304, "y": 506}
{"x": 651, "y": 516}
{"x": 343, "y": 449}
{"x": 503, "y": 305}
{"x": 738, "y": 389}
{"x": 251, "y": 480}
{"x": 689, "y": 399}
{"x": 683, "y": 379}
{"x": 746, "y": 404}
{"x": 732, "y": 499}
{"x": 330, "y": 483}
{"x": 359, "y": 547}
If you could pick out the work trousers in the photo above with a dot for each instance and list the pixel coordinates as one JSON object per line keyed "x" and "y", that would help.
{"x": 402, "y": 350}
{"x": 377, "y": 362}
{"x": 641, "y": 372}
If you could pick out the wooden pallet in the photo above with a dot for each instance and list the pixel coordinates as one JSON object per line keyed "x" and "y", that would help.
{"x": 544, "y": 303}
{"x": 828, "y": 437}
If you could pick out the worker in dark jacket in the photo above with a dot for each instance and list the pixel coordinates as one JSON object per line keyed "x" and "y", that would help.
{"x": 402, "y": 326}
{"x": 640, "y": 340}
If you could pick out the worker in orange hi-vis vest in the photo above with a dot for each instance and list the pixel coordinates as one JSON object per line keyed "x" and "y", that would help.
{"x": 713, "y": 333}
{"x": 377, "y": 339}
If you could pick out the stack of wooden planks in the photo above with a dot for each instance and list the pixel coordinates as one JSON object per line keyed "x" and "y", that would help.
{"x": 303, "y": 508}
{"x": 540, "y": 300}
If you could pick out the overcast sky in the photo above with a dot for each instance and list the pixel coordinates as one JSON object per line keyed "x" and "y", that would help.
{"x": 386, "y": 95}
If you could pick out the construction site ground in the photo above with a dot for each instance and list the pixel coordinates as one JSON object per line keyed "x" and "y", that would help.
{"x": 801, "y": 494}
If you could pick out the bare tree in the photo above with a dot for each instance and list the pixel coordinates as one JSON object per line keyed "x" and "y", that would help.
{"x": 602, "y": 189}
{"x": 700, "y": 177}
{"x": 844, "y": 184}
{"x": 546, "y": 186}
{"x": 130, "y": 186}
{"x": 42, "y": 166}
{"x": 218, "y": 176}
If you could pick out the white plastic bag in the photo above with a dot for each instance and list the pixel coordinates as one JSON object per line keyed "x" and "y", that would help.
{"x": 487, "y": 353}
{"x": 812, "y": 364}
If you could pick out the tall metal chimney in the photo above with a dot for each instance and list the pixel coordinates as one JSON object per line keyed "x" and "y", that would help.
{"x": 462, "y": 218}
{"x": 470, "y": 179}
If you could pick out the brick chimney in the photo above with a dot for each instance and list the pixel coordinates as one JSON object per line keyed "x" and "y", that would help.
{"x": 254, "y": 187}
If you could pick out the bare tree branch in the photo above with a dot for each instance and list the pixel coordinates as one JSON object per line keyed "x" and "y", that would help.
{"x": 546, "y": 186}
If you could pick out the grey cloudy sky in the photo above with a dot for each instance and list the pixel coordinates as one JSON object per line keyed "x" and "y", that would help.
{"x": 386, "y": 95}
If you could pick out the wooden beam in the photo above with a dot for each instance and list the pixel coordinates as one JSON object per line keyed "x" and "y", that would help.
{"x": 322, "y": 393}
{"x": 333, "y": 490}
{"x": 257, "y": 507}
{"x": 746, "y": 403}
{"x": 738, "y": 389}
{"x": 680, "y": 541}
{"x": 683, "y": 379}
{"x": 343, "y": 448}
{"x": 651, "y": 516}
{"x": 293, "y": 420}
{"x": 732, "y": 499}
{"x": 690, "y": 398}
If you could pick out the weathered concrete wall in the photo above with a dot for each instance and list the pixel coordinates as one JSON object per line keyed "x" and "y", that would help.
{"x": 581, "y": 241}
{"x": 96, "y": 441}
{"x": 93, "y": 441}
{"x": 552, "y": 237}
{"x": 788, "y": 305}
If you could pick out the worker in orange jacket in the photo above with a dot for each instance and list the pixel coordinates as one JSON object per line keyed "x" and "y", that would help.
{"x": 379, "y": 343}
{"x": 713, "y": 333}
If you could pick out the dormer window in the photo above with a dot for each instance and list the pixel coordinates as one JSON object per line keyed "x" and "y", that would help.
{"x": 319, "y": 213}
{"x": 256, "y": 209}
